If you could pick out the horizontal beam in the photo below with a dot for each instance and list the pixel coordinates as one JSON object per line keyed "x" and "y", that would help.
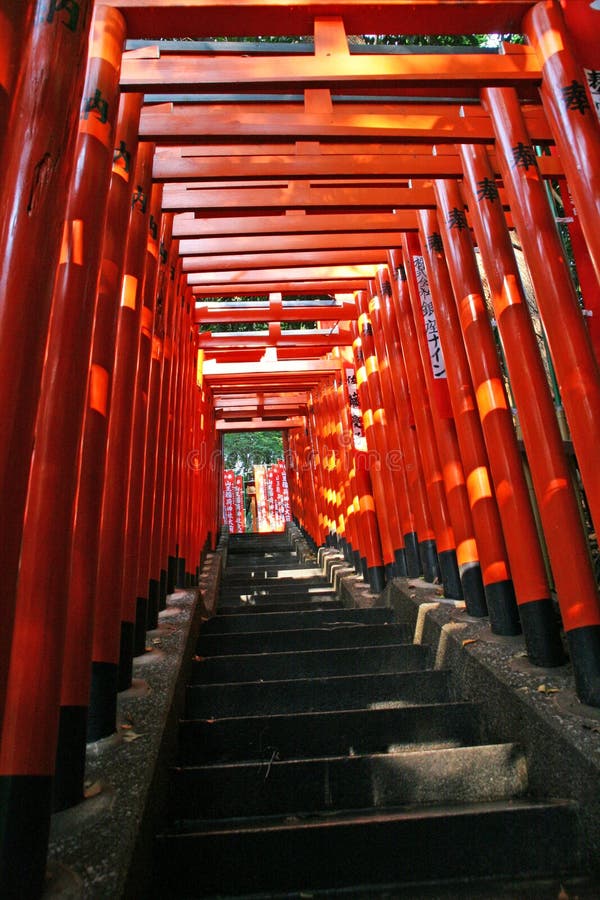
{"x": 206, "y": 168}
{"x": 223, "y": 246}
{"x": 207, "y": 314}
{"x": 232, "y": 341}
{"x": 300, "y": 195}
{"x": 170, "y": 124}
{"x": 186, "y": 226}
{"x": 336, "y": 70}
{"x": 257, "y": 424}
{"x": 308, "y": 258}
{"x": 155, "y": 19}
{"x": 295, "y": 288}
{"x": 348, "y": 273}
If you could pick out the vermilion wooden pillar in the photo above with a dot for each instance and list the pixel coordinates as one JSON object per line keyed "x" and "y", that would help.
{"x": 558, "y": 506}
{"x": 406, "y": 424}
{"x": 133, "y": 610}
{"x": 384, "y": 414}
{"x": 432, "y": 470}
{"x": 467, "y": 555}
{"x": 31, "y": 716}
{"x": 154, "y": 582}
{"x": 36, "y": 170}
{"x": 572, "y": 354}
{"x": 164, "y": 302}
{"x": 495, "y": 569}
{"x": 107, "y": 628}
{"x": 15, "y": 22}
{"x": 536, "y": 612}
{"x": 573, "y": 120}
{"x": 70, "y": 758}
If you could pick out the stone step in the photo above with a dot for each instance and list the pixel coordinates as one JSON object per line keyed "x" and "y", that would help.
{"x": 311, "y": 663}
{"x": 269, "y": 576}
{"x": 294, "y": 619}
{"x": 465, "y": 775}
{"x": 261, "y": 698}
{"x": 347, "y": 732}
{"x": 265, "y": 595}
{"x": 303, "y": 639}
{"x": 321, "y": 601}
{"x": 392, "y": 846}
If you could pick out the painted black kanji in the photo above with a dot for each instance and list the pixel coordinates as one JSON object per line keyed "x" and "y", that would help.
{"x": 386, "y": 288}
{"x": 139, "y": 199}
{"x": 575, "y": 97}
{"x": 434, "y": 242}
{"x": 162, "y": 252}
{"x": 457, "y": 219}
{"x": 70, "y": 7}
{"x": 401, "y": 273}
{"x": 593, "y": 77}
{"x": 367, "y": 329}
{"x": 524, "y": 156}
{"x": 153, "y": 227}
{"x": 123, "y": 155}
{"x": 96, "y": 103}
{"x": 487, "y": 189}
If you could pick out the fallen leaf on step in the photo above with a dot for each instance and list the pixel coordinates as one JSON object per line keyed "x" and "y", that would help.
{"x": 519, "y": 655}
{"x": 562, "y": 894}
{"x": 469, "y": 641}
{"x": 197, "y": 658}
{"x": 546, "y": 689}
{"x": 126, "y": 725}
{"x": 130, "y": 736}
{"x": 91, "y": 789}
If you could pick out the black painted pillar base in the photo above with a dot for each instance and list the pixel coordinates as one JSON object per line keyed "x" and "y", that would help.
{"x": 141, "y": 625}
{"x": 401, "y": 565}
{"x": 429, "y": 560}
{"x": 171, "y": 574}
{"x": 584, "y": 647}
{"x": 180, "y": 572}
{"x": 102, "y": 716}
{"x": 376, "y": 578}
{"x": 542, "y": 633}
{"x": 25, "y": 810}
{"x": 390, "y": 571}
{"x": 364, "y": 568}
{"x": 357, "y": 562}
{"x": 449, "y": 574}
{"x": 126, "y": 655}
{"x": 502, "y": 608}
{"x": 162, "y": 597}
{"x": 411, "y": 550}
{"x": 153, "y": 602}
{"x": 67, "y": 788}
{"x": 473, "y": 590}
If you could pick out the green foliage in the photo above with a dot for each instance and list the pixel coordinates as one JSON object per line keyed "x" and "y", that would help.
{"x": 243, "y": 449}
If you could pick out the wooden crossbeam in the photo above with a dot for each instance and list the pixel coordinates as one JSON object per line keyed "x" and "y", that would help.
{"x": 312, "y": 165}
{"x": 207, "y": 314}
{"x": 314, "y": 338}
{"x": 172, "y": 124}
{"x": 155, "y": 19}
{"x": 299, "y": 194}
{"x": 224, "y": 246}
{"x": 186, "y": 226}
{"x": 259, "y": 424}
{"x": 347, "y": 273}
{"x": 308, "y": 258}
{"x": 249, "y": 74}
{"x": 294, "y": 288}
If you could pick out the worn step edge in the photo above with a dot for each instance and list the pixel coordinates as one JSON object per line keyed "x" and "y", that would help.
{"x": 292, "y": 620}
{"x": 233, "y": 790}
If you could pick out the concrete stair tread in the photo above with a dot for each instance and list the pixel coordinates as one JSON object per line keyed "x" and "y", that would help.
{"x": 253, "y": 608}
{"x": 340, "y": 692}
{"x": 328, "y": 635}
{"x": 309, "y": 734}
{"x": 234, "y": 790}
{"x": 292, "y": 620}
{"x": 245, "y": 667}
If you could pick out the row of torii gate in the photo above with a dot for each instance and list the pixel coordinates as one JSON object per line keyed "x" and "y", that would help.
{"x": 138, "y": 185}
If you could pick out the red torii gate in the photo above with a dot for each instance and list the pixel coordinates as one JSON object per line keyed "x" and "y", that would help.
{"x": 40, "y": 191}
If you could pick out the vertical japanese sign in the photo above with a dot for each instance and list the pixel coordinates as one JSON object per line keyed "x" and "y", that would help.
{"x": 240, "y": 517}
{"x": 260, "y": 484}
{"x": 228, "y": 500}
{"x": 431, "y": 329}
{"x": 358, "y": 434}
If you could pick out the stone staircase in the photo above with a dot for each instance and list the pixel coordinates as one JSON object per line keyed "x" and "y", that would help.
{"x": 323, "y": 755}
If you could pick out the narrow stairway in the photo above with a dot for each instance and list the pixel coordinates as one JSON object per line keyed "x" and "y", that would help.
{"x": 322, "y": 754}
